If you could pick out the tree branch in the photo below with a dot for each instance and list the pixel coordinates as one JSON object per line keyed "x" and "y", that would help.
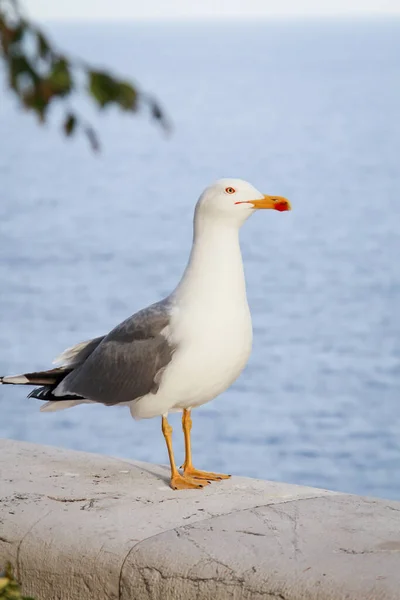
{"x": 39, "y": 74}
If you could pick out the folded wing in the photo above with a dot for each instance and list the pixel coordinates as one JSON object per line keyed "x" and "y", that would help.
{"x": 126, "y": 364}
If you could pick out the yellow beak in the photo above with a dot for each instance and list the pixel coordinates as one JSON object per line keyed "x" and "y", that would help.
{"x": 274, "y": 202}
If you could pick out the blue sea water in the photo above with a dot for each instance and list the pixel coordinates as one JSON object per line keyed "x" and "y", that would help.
{"x": 305, "y": 109}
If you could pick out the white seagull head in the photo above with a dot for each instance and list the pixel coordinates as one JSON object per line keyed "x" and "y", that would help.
{"x": 235, "y": 200}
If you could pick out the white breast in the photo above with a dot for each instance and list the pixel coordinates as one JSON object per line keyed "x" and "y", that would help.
{"x": 211, "y": 355}
{"x": 210, "y": 326}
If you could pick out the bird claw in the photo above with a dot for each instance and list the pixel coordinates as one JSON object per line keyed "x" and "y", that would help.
{"x": 182, "y": 482}
{"x": 203, "y": 475}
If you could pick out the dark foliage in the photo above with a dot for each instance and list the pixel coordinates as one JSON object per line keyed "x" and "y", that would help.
{"x": 9, "y": 588}
{"x": 39, "y": 74}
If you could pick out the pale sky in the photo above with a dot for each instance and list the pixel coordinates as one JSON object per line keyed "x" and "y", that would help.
{"x": 172, "y": 9}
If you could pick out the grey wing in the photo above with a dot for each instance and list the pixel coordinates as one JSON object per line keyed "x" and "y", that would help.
{"x": 127, "y": 363}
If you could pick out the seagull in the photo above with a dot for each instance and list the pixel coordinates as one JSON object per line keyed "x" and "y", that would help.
{"x": 180, "y": 352}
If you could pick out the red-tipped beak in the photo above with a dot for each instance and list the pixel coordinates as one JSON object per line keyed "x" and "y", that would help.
{"x": 274, "y": 202}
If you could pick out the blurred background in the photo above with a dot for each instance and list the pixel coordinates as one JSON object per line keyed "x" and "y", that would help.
{"x": 301, "y": 105}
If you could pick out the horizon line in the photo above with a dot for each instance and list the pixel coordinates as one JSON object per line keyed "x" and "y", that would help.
{"x": 219, "y": 18}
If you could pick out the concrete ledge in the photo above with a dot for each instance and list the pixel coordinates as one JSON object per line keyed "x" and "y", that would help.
{"x": 79, "y": 526}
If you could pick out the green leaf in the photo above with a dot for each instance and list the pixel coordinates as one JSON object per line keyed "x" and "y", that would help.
{"x": 18, "y": 32}
{"x": 103, "y": 88}
{"x": 60, "y": 77}
{"x": 6, "y": 36}
{"x": 70, "y": 124}
{"x": 43, "y": 46}
{"x": 46, "y": 90}
{"x": 19, "y": 65}
{"x": 9, "y": 588}
{"x": 106, "y": 90}
{"x": 127, "y": 96}
{"x": 34, "y": 100}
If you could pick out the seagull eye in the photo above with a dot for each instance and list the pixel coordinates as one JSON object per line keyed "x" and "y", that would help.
{"x": 230, "y": 190}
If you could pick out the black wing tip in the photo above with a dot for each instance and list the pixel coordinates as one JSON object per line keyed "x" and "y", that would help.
{"x": 41, "y": 393}
{"x": 46, "y": 393}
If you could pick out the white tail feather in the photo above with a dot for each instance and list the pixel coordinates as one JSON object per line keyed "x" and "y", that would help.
{"x": 14, "y": 379}
{"x": 60, "y": 405}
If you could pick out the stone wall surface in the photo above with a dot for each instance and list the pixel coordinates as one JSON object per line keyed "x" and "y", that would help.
{"x": 80, "y": 526}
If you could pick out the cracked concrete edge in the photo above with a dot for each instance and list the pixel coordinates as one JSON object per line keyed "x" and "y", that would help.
{"x": 326, "y": 548}
{"x": 56, "y": 504}
{"x": 125, "y": 591}
{"x": 79, "y": 534}
{"x": 46, "y": 557}
{"x": 54, "y": 556}
{"x": 207, "y": 519}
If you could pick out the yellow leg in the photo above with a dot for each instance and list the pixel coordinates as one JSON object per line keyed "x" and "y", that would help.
{"x": 188, "y": 468}
{"x": 178, "y": 481}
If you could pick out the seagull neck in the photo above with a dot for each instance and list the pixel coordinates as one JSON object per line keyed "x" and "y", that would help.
{"x": 215, "y": 267}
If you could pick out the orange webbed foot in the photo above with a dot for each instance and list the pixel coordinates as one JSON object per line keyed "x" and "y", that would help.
{"x": 204, "y": 475}
{"x": 182, "y": 482}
